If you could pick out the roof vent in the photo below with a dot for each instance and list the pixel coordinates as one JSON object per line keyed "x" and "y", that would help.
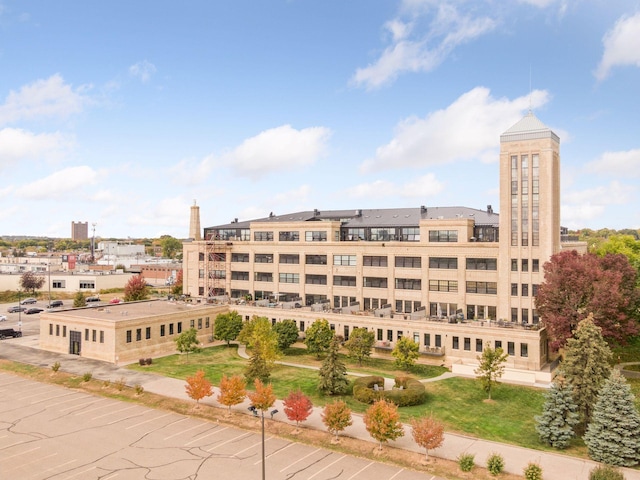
{"x": 423, "y": 209}
{"x": 358, "y": 213}
{"x": 489, "y": 209}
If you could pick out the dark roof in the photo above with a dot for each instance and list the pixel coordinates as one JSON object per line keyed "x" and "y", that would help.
{"x": 383, "y": 217}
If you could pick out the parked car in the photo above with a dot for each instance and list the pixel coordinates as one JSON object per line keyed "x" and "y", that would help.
{"x": 28, "y": 301}
{"x": 92, "y": 299}
{"x": 3, "y": 318}
{"x": 55, "y": 304}
{"x": 16, "y": 308}
{"x": 115, "y": 301}
{"x": 33, "y": 310}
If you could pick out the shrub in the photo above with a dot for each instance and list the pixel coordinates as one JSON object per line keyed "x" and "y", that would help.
{"x": 120, "y": 384}
{"x": 363, "y": 389}
{"x": 605, "y": 472}
{"x": 55, "y": 367}
{"x": 495, "y": 464}
{"x": 87, "y": 376}
{"x": 148, "y": 361}
{"x": 139, "y": 389}
{"x": 466, "y": 461}
{"x": 142, "y": 362}
{"x": 106, "y": 383}
{"x": 413, "y": 391}
{"x": 533, "y": 471}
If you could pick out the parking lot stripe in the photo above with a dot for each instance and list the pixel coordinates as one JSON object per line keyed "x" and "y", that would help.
{"x": 80, "y": 473}
{"x": 147, "y": 421}
{"x": 299, "y": 460}
{"x": 280, "y": 450}
{"x": 59, "y": 466}
{"x": 323, "y": 469}
{"x": 396, "y": 474}
{"x": 361, "y": 470}
{"x": 113, "y": 413}
{"x": 243, "y": 435}
{"x": 21, "y": 453}
{"x": 181, "y": 432}
{"x": 24, "y": 464}
{"x": 49, "y": 405}
{"x": 90, "y": 402}
{"x": 214, "y": 432}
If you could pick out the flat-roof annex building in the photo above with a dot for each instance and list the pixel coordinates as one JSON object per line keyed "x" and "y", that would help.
{"x": 423, "y": 264}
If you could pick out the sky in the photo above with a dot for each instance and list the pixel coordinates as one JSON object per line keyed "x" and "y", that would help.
{"x": 124, "y": 113}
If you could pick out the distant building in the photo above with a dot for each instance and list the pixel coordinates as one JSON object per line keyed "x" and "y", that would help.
{"x": 79, "y": 231}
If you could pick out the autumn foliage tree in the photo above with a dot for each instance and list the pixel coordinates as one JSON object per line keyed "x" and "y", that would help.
{"x": 360, "y": 344}
{"x": 428, "y": 433}
{"x": 577, "y": 285}
{"x": 136, "y": 289}
{"x": 232, "y": 391}
{"x": 382, "y": 421}
{"x": 262, "y": 398}
{"x": 297, "y": 407}
{"x": 31, "y": 281}
{"x": 198, "y": 386}
{"x": 337, "y": 417}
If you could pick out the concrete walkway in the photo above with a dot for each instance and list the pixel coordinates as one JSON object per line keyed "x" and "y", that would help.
{"x": 554, "y": 466}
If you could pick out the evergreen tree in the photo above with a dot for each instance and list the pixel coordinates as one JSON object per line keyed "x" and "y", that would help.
{"x": 79, "y": 300}
{"x": 559, "y": 416}
{"x": 613, "y": 436}
{"x": 333, "y": 372}
{"x": 258, "y": 367}
{"x": 586, "y": 367}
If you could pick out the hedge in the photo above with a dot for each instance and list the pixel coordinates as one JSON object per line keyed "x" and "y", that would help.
{"x": 413, "y": 392}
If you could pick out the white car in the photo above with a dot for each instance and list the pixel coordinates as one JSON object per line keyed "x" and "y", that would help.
{"x": 3, "y": 318}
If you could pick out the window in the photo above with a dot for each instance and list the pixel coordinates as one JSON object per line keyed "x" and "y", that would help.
{"x": 467, "y": 343}
{"x": 511, "y": 349}
{"x": 382, "y": 234}
{"x": 408, "y": 262}
{"x": 263, "y": 236}
{"x": 379, "y": 335}
{"x": 443, "y": 235}
{"x": 535, "y": 265}
{"x": 64, "y": 331}
{"x": 525, "y": 315}
{"x": 498, "y": 344}
{"x": 427, "y": 339}
{"x": 101, "y": 336}
{"x": 438, "y": 341}
{"x": 514, "y": 289}
{"x": 375, "y": 282}
{"x": 88, "y": 284}
{"x": 443, "y": 262}
{"x": 179, "y": 327}
{"x": 240, "y": 276}
{"x": 389, "y": 335}
{"x": 128, "y": 336}
{"x": 86, "y": 334}
{"x": 192, "y": 323}
{"x": 239, "y": 257}
{"x": 51, "y": 329}
{"x": 302, "y": 325}
{"x": 456, "y": 343}
{"x": 344, "y": 260}
{"x": 514, "y": 314}
{"x": 408, "y": 284}
{"x": 138, "y": 334}
{"x": 514, "y": 264}
{"x": 482, "y": 264}
{"x": 263, "y": 258}
{"x": 147, "y": 333}
{"x": 162, "y": 332}
{"x": 355, "y": 234}
{"x": 525, "y": 265}
{"x": 207, "y": 322}
{"x": 478, "y": 345}
{"x": 344, "y": 281}
{"x": 57, "y": 330}
{"x": 525, "y": 290}
{"x": 490, "y": 288}
{"x": 524, "y": 349}
{"x": 171, "y": 329}
{"x": 316, "y": 279}
{"x": 410, "y": 234}
{"x": 315, "y": 236}
{"x": 316, "y": 259}
{"x": 94, "y": 336}
{"x": 289, "y": 236}
{"x": 263, "y": 276}
{"x": 58, "y": 284}
{"x": 443, "y": 285}
{"x": 374, "y": 261}
{"x": 291, "y": 258}
{"x": 289, "y": 277}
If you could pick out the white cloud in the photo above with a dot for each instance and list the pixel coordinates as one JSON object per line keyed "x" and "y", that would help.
{"x": 67, "y": 183}
{"x": 298, "y": 195}
{"x": 468, "y": 129}
{"x": 621, "y": 46}
{"x": 412, "y": 50}
{"x": 581, "y": 207}
{"x": 43, "y": 98}
{"x": 279, "y": 150}
{"x": 17, "y": 144}
{"x": 421, "y": 187}
{"x": 626, "y": 163}
{"x": 142, "y": 70}
{"x": 190, "y": 172}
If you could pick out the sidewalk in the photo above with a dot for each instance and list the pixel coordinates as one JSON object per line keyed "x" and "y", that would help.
{"x": 554, "y": 466}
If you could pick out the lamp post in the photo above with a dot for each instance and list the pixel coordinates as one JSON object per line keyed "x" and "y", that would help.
{"x": 254, "y": 410}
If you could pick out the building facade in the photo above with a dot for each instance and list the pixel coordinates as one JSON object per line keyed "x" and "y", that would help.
{"x": 79, "y": 230}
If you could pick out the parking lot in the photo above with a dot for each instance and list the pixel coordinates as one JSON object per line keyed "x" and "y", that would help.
{"x": 28, "y": 324}
{"x": 50, "y": 432}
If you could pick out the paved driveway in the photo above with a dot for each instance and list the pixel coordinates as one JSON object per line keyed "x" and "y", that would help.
{"x": 50, "y": 432}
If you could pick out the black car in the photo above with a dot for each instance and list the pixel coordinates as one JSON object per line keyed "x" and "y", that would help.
{"x": 16, "y": 309}
{"x": 92, "y": 299}
{"x": 55, "y": 303}
{"x": 32, "y": 310}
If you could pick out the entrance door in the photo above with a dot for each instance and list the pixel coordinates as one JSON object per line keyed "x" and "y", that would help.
{"x": 75, "y": 342}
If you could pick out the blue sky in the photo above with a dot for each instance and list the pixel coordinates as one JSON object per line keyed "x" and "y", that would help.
{"x": 122, "y": 113}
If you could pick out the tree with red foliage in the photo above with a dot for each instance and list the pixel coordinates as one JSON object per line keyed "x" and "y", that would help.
{"x": 136, "y": 289}
{"x": 177, "y": 286}
{"x": 198, "y": 386}
{"x": 576, "y": 285}
{"x": 428, "y": 433}
{"x": 297, "y": 407}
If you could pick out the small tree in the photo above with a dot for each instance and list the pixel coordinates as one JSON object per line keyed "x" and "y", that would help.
{"x": 198, "y": 386}
{"x": 227, "y": 326}
{"x": 136, "y": 289}
{"x": 333, "y": 372}
{"x": 176, "y": 289}
{"x": 79, "y": 300}
{"x": 318, "y": 337}
{"x": 31, "y": 281}
{"x": 360, "y": 344}
{"x": 336, "y": 416}
{"x": 559, "y": 415}
{"x": 187, "y": 341}
{"x": 170, "y": 246}
{"x": 491, "y": 366}
{"x": 613, "y": 436}
{"x": 586, "y": 366}
{"x": 406, "y": 353}
{"x": 287, "y": 332}
{"x": 428, "y": 433}
{"x": 297, "y": 407}
{"x": 382, "y": 421}
{"x": 532, "y": 471}
{"x": 262, "y": 398}
{"x": 232, "y": 391}
{"x": 605, "y": 472}
{"x": 495, "y": 464}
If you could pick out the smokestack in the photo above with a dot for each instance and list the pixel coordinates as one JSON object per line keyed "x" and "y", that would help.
{"x": 194, "y": 222}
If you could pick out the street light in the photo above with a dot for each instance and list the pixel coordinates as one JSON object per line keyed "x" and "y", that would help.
{"x": 254, "y": 410}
